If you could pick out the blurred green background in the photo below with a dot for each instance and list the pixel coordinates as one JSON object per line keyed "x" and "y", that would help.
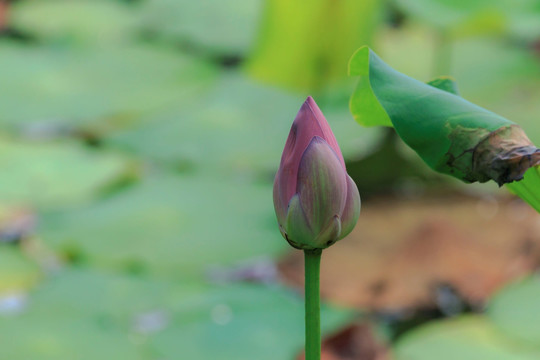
{"x": 138, "y": 144}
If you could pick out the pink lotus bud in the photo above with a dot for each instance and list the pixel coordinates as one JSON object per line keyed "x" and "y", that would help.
{"x": 316, "y": 201}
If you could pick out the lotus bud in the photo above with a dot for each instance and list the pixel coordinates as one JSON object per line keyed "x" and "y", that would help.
{"x": 316, "y": 201}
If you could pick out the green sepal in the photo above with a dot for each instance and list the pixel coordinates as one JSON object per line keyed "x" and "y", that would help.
{"x": 329, "y": 234}
{"x": 351, "y": 212}
{"x": 298, "y": 232}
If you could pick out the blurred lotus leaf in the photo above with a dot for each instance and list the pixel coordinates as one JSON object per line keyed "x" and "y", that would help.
{"x": 17, "y": 273}
{"x": 236, "y": 118}
{"x": 110, "y": 86}
{"x": 216, "y": 26}
{"x": 87, "y": 314}
{"x": 55, "y": 174}
{"x": 516, "y": 312}
{"x": 241, "y": 322}
{"x": 81, "y": 21}
{"x": 466, "y": 338}
{"x": 475, "y": 17}
{"x": 146, "y": 226}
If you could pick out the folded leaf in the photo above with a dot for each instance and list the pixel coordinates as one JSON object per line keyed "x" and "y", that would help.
{"x": 451, "y": 134}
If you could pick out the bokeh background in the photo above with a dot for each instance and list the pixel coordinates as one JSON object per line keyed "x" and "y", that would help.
{"x": 138, "y": 145}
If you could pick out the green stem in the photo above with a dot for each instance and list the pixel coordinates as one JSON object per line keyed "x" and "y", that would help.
{"x": 443, "y": 54}
{"x": 312, "y": 263}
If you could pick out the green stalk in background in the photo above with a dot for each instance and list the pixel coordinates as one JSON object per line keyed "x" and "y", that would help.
{"x": 305, "y": 45}
{"x": 451, "y": 134}
{"x": 312, "y": 263}
{"x": 442, "y": 63}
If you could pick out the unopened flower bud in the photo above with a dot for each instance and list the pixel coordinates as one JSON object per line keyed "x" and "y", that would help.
{"x": 316, "y": 201}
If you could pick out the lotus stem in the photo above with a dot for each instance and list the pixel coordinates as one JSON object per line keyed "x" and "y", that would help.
{"x": 312, "y": 263}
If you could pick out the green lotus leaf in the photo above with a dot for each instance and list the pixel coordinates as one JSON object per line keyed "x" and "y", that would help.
{"x": 452, "y": 135}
